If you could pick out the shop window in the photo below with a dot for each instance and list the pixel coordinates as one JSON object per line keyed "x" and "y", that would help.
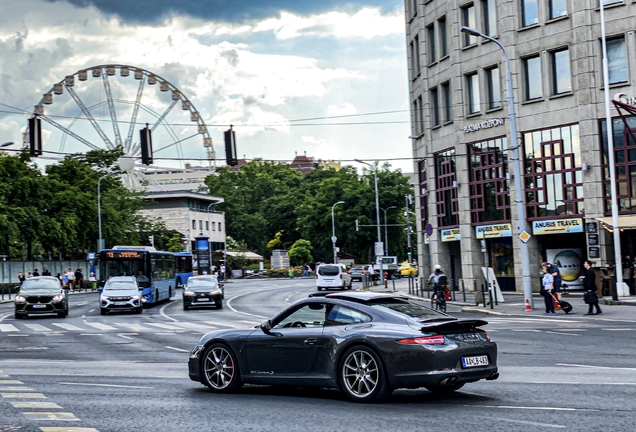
{"x": 423, "y": 191}
{"x": 554, "y": 178}
{"x": 446, "y": 189}
{"x": 489, "y": 193}
{"x": 502, "y": 258}
{"x": 625, "y": 162}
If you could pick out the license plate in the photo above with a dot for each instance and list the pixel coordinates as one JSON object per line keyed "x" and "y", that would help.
{"x": 474, "y": 361}
{"x": 203, "y": 299}
{"x": 38, "y": 306}
{"x": 120, "y": 303}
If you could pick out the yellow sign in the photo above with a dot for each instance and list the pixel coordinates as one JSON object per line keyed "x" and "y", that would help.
{"x": 557, "y": 226}
{"x": 449, "y": 235}
{"x": 524, "y": 236}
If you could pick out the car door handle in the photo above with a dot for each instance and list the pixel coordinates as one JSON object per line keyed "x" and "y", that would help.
{"x": 310, "y": 341}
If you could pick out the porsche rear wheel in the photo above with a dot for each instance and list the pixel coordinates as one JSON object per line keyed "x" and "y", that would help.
{"x": 220, "y": 369}
{"x": 361, "y": 375}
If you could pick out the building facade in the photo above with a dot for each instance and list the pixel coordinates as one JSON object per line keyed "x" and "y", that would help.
{"x": 462, "y": 147}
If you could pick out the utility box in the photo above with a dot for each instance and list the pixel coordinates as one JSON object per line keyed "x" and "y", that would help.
{"x": 279, "y": 259}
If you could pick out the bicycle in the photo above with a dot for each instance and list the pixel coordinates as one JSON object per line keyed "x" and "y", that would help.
{"x": 438, "y": 300}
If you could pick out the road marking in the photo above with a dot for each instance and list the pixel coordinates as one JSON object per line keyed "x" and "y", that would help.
{"x": 68, "y": 327}
{"x": 525, "y": 422}
{"x": 229, "y": 303}
{"x": 13, "y": 334}
{"x": 64, "y": 416}
{"x": 23, "y": 395}
{"x": 13, "y": 389}
{"x": 2, "y": 317}
{"x": 288, "y": 297}
{"x": 43, "y": 405}
{"x": 91, "y": 311}
{"x": 67, "y": 429}
{"x": 123, "y": 336}
{"x": 596, "y": 367}
{"x": 562, "y": 334}
{"x": 5, "y": 328}
{"x": 54, "y": 334}
{"x": 531, "y": 408}
{"x": 38, "y": 328}
{"x": 177, "y": 349}
{"x": 165, "y": 326}
{"x": 133, "y": 327}
{"x": 618, "y": 329}
{"x": 100, "y": 326}
{"x": 91, "y": 334}
{"x": 163, "y": 314}
{"x": 12, "y": 382}
{"x": 105, "y": 385}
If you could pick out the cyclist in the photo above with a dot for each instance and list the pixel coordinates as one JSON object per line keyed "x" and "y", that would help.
{"x": 439, "y": 280}
{"x": 434, "y": 277}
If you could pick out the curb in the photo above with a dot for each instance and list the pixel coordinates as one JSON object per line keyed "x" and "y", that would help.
{"x": 481, "y": 311}
{"x": 618, "y": 303}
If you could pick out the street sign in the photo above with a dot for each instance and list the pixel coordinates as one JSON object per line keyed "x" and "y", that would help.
{"x": 90, "y": 256}
{"x": 429, "y": 229}
{"x": 379, "y": 247}
{"x": 524, "y": 236}
{"x": 334, "y": 239}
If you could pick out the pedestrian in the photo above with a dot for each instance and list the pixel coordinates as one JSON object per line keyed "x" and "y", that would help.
{"x": 29, "y": 275}
{"x": 79, "y": 278}
{"x": 36, "y": 273}
{"x": 547, "y": 290}
{"x": 21, "y": 278}
{"x": 222, "y": 274}
{"x": 93, "y": 280}
{"x": 589, "y": 286}
{"x": 290, "y": 272}
{"x": 46, "y": 272}
{"x": 65, "y": 281}
{"x": 553, "y": 269}
{"x": 306, "y": 270}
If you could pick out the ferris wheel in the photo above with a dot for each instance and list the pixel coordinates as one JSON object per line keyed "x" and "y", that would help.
{"x": 105, "y": 106}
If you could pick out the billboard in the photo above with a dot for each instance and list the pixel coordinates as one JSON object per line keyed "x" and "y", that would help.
{"x": 570, "y": 264}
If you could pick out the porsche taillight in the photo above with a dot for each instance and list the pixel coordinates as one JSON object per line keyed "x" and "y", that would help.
{"x": 424, "y": 340}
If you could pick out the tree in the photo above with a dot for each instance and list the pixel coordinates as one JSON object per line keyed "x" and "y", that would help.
{"x": 300, "y": 253}
{"x": 175, "y": 244}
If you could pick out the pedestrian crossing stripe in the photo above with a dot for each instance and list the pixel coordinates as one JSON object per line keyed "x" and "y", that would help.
{"x": 67, "y": 429}
{"x": 10, "y": 382}
{"x": 64, "y": 416}
{"x": 23, "y": 395}
{"x": 58, "y": 329}
{"x": 36, "y": 405}
{"x": 8, "y": 328}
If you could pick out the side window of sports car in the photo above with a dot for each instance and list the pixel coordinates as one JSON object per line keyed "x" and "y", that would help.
{"x": 340, "y": 315}
{"x": 309, "y": 315}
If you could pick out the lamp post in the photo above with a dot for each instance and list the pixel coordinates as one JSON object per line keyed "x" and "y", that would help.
{"x": 100, "y": 241}
{"x": 221, "y": 201}
{"x": 386, "y": 237}
{"x": 514, "y": 146}
{"x": 333, "y": 231}
{"x": 377, "y": 210}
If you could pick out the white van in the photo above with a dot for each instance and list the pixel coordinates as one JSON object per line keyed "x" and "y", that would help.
{"x": 333, "y": 276}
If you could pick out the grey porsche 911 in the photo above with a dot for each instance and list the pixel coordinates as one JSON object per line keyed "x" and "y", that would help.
{"x": 365, "y": 344}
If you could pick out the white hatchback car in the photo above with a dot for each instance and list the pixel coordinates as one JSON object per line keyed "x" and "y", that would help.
{"x": 120, "y": 293}
{"x": 333, "y": 276}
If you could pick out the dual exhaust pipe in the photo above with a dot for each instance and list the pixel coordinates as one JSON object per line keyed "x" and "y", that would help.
{"x": 449, "y": 381}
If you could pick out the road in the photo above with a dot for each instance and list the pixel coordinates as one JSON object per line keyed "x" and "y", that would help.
{"x": 128, "y": 372}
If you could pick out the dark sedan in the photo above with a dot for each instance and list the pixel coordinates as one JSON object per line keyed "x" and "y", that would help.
{"x": 41, "y": 295}
{"x": 357, "y": 272}
{"x": 365, "y": 344}
{"x": 203, "y": 291}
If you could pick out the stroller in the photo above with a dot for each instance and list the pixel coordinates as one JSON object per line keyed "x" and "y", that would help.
{"x": 565, "y": 306}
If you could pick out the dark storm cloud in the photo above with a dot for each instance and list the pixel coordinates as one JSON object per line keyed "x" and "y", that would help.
{"x": 149, "y": 11}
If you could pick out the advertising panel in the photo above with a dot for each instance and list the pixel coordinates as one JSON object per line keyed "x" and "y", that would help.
{"x": 557, "y": 226}
{"x": 449, "y": 235}
{"x": 493, "y": 231}
{"x": 570, "y": 264}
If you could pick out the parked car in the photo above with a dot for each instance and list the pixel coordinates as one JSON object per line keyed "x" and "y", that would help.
{"x": 357, "y": 272}
{"x": 41, "y": 295}
{"x": 407, "y": 269}
{"x": 365, "y": 344}
{"x": 203, "y": 291}
{"x": 120, "y": 293}
{"x": 333, "y": 276}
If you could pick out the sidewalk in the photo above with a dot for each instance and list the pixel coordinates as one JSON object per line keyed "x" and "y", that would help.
{"x": 514, "y": 303}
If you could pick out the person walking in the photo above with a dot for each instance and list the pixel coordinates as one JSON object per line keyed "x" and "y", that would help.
{"x": 70, "y": 276}
{"x": 589, "y": 286}
{"x": 35, "y": 272}
{"x": 46, "y": 272}
{"x": 29, "y": 275}
{"x": 79, "y": 278}
{"x": 93, "y": 280}
{"x": 21, "y": 278}
{"x": 547, "y": 290}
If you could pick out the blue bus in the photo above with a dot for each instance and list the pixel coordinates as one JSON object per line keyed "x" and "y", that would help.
{"x": 154, "y": 270}
{"x": 183, "y": 268}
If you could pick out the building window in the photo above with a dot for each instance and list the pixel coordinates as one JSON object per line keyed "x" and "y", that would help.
{"x": 423, "y": 191}
{"x": 447, "y": 107}
{"x": 561, "y": 76}
{"x": 494, "y": 87}
{"x": 443, "y": 42}
{"x": 529, "y": 13}
{"x": 489, "y": 13}
{"x": 418, "y": 116}
{"x": 213, "y": 226}
{"x": 625, "y": 161}
{"x": 445, "y": 190}
{"x": 472, "y": 84}
{"x": 220, "y": 227}
{"x": 434, "y": 104}
{"x": 553, "y": 179}
{"x": 489, "y": 193}
{"x": 207, "y": 226}
{"x": 200, "y": 225}
{"x": 617, "y": 60}
{"x": 194, "y": 224}
{"x": 430, "y": 34}
{"x": 413, "y": 5}
{"x": 415, "y": 57}
{"x": 468, "y": 19}
{"x": 558, "y": 8}
{"x": 532, "y": 78}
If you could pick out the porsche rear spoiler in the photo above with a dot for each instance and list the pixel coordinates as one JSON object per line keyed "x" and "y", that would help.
{"x": 469, "y": 325}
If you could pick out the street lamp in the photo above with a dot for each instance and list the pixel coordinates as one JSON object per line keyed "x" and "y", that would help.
{"x": 514, "y": 145}
{"x": 100, "y": 241}
{"x": 333, "y": 232}
{"x": 377, "y": 210}
{"x": 386, "y": 237}
{"x": 221, "y": 201}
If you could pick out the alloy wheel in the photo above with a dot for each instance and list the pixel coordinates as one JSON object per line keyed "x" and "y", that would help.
{"x": 219, "y": 368}
{"x": 360, "y": 373}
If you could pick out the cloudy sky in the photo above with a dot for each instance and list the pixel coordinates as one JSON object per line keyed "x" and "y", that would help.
{"x": 327, "y": 77}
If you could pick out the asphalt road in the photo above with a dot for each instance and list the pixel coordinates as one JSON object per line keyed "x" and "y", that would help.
{"x": 128, "y": 372}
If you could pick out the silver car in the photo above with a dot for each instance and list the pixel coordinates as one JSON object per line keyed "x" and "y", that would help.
{"x": 120, "y": 293}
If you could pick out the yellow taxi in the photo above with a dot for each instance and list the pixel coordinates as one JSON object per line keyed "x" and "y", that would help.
{"x": 407, "y": 269}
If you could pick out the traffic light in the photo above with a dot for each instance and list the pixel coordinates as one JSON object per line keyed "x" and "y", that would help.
{"x": 357, "y": 225}
{"x": 230, "y": 147}
{"x": 151, "y": 238}
{"x": 145, "y": 140}
{"x": 35, "y": 136}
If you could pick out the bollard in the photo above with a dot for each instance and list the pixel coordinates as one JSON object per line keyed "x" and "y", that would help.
{"x": 393, "y": 281}
{"x": 492, "y": 306}
{"x": 483, "y": 294}
{"x": 463, "y": 291}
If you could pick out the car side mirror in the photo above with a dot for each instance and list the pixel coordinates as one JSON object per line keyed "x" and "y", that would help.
{"x": 266, "y": 326}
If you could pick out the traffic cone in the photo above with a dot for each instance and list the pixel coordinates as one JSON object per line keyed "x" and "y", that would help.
{"x": 528, "y": 307}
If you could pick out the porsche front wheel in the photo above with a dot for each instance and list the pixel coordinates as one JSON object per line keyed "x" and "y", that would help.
{"x": 220, "y": 369}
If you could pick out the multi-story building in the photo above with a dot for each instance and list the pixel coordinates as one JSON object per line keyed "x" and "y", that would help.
{"x": 463, "y": 145}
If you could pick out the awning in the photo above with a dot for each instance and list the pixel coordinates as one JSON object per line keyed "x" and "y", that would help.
{"x": 624, "y": 222}
{"x": 246, "y": 255}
